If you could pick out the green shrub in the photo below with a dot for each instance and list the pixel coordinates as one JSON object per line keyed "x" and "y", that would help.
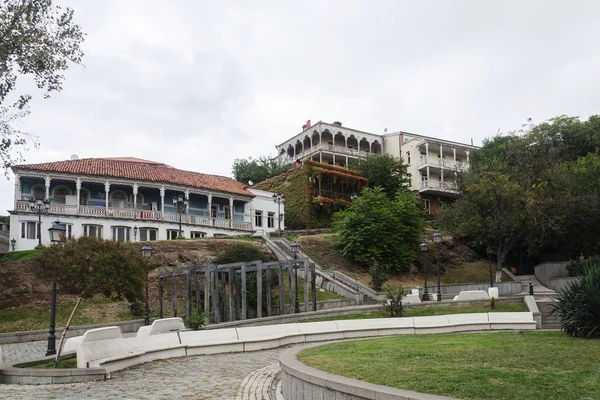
{"x": 136, "y": 309}
{"x": 240, "y": 252}
{"x": 493, "y": 303}
{"x": 578, "y": 305}
{"x": 19, "y": 255}
{"x": 393, "y": 303}
{"x": 195, "y": 321}
{"x": 379, "y": 275}
{"x": 577, "y": 267}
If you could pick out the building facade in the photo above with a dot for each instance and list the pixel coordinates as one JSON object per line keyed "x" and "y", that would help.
{"x": 129, "y": 199}
{"x": 432, "y": 162}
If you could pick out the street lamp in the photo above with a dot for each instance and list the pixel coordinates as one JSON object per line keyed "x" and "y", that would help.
{"x": 38, "y": 206}
{"x": 56, "y": 231}
{"x": 13, "y": 243}
{"x": 279, "y": 198}
{"x": 424, "y": 249}
{"x": 181, "y": 204}
{"x": 489, "y": 252}
{"x": 437, "y": 239}
{"x": 353, "y": 196}
{"x": 135, "y": 231}
{"x": 146, "y": 253}
{"x": 295, "y": 249}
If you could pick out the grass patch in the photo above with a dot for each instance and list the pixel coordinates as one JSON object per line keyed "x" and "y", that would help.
{"x": 431, "y": 310}
{"x": 36, "y": 315}
{"x": 67, "y": 363}
{"x": 19, "y": 255}
{"x": 494, "y": 365}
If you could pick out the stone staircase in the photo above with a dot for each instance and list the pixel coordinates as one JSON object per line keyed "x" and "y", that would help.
{"x": 548, "y": 321}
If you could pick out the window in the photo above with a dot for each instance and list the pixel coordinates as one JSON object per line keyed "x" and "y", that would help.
{"x": 172, "y": 234}
{"x": 258, "y": 218}
{"x": 118, "y": 199}
{"x": 408, "y": 157}
{"x": 84, "y": 196}
{"x": 227, "y": 212}
{"x": 197, "y": 235}
{"x": 92, "y": 231}
{"x": 121, "y": 233}
{"x": 69, "y": 230}
{"x": 427, "y": 206}
{"x": 270, "y": 220}
{"x": 60, "y": 194}
{"x": 38, "y": 192}
{"x": 29, "y": 230}
{"x": 148, "y": 234}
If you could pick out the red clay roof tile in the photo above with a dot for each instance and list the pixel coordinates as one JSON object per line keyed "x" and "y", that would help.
{"x": 138, "y": 169}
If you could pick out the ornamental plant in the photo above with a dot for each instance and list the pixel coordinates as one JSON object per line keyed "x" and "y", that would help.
{"x": 578, "y": 305}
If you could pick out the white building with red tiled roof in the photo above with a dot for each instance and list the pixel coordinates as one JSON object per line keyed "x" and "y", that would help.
{"x": 130, "y": 199}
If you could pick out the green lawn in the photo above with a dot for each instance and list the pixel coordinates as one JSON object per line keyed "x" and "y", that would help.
{"x": 493, "y": 365}
{"x": 19, "y": 255}
{"x": 428, "y": 311}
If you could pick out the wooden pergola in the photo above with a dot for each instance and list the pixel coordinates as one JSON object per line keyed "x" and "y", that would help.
{"x": 225, "y": 288}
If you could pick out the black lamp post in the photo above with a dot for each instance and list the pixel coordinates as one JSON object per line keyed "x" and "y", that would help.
{"x": 489, "y": 252}
{"x": 38, "y": 206}
{"x": 135, "y": 231}
{"x": 13, "y": 243}
{"x": 57, "y": 231}
{"x": 437, "y": 239}
{"x": 295, "y": 249}
{"x": 146, "y": 253}
{"x": 424, "y": 249}
{"x": 181, "y": 204}
{"x": 353, "y": 196}
{"x": 279, "y": 198}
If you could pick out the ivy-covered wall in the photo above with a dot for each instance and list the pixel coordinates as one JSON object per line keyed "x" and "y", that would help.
{"x": 304, "y": 208}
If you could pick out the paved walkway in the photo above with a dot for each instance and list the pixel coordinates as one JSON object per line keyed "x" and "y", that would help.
{"x": 538, "y": 288}
{"x": 242, "y": 376}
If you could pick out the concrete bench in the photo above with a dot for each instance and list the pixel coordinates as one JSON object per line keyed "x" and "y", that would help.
{"x": 376, "y": 327}
{"x": 493, "y": 292}
{"x": 268, "y": 337}
{"x": 106, "y": 333}
{"x": 471, "y": 295}
{"x": 212, "y": 341}
{"x": 511, "y": 320}
{"x": 164, "y": 325}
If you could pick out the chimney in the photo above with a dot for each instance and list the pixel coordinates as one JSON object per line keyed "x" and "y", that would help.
{"x": 308, "y": 123}
{"x": 337, "y": 123}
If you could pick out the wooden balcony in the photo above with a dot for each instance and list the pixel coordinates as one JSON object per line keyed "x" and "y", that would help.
{"x": 135, "y": 214}
{"x": 437, "y": 187}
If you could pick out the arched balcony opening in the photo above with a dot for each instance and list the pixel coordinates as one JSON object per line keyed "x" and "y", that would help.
{"x": 352, "y": 142}
{"x": 315, "y": 138}
{"x": 298, "y": 147}
{"x": 306, "y": 142}
{"x": 290, "y": 151}
{"x": 327, "y": 137}
{"x": 339, "y": 140}
{"x": 365, "y": 146}
{"x": 376, "y": 147}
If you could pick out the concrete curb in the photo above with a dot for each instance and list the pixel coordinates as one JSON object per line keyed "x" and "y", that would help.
{"x": 17, "y": 373}
{"x": 299, "y": 381}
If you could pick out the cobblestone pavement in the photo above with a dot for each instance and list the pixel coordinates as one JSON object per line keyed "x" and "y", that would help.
{"x": 15, "y": 352}
{"x": 260, "y": 384}
{"x": 200, "y": 377}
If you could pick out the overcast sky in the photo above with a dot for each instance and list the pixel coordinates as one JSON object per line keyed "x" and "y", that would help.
{"x": 197, "y": 84}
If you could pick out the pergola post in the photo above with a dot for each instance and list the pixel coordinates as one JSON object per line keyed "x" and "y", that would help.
{"x": 313, "y": 286}
{"x": 281, "y": 305}
{"x": 188, "y": 291}
{"x": 215, "y": 294}
{"x": 306, "y": 278}
{"x": 231, "y": 278}
{"x": 292, "y": 286}
{"x": 243, "y": 300}
{"x": 160, "y": 296}
{"x": 207, "y": 294}
{"x": 269, "y": 297}
{"x": 174, "y": 295}
{"x": 259, "y": 289}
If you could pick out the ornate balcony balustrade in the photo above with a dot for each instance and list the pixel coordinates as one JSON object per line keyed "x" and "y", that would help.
{"x": 135, "y": 214}
{"x": 448, "y": 187}
{"x": 437, "y": 162}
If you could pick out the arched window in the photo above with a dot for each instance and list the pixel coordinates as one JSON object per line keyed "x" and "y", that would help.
{"x": 38, "y": 192}
{"x": 118, "y": 199}
{"x": 60, "y": 194}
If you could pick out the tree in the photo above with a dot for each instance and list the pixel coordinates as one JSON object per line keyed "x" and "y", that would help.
{"x": 248, "y": 170}
{"x": 5, "y": 219}
{"x": 386, "y": 171}
{"x": 37, "y": 39}
{"x": 379, "y": 230}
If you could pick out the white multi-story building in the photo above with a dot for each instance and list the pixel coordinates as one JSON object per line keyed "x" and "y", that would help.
{"x": 432, "y": 162}
{"x": 129, "y": 199}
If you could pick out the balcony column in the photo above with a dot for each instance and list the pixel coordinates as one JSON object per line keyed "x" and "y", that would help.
{"x": 468, "y": 151}
{"x": 427, "y": 175}
{"x": 107, "y": 192}
{"x": 333, "y": 158}
{"x": 231, "y": 211}
{"x": 454, "y": 151}
{"x": 135, "y": 193}
{"x": 47, "y": 182}
{"x": 210, "y": 217}
{"x": 78, "y": 189}
{"x": 18, "y": 193}
{"x": 162, "y": 199}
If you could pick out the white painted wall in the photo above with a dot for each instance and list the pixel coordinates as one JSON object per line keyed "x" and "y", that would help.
{"x": 264, "y": 202}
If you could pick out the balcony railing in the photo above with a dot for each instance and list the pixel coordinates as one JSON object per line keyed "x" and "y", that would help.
{"x": 329, "y": 148}
{"x": 449, "y": 187}
{"x": 437, "y": 162}
{"x": 144, "y": 215}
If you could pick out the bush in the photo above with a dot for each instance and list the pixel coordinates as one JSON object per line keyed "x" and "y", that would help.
{"x": 195, "y": 321}
{"x": 379, "y": 275}
{"x": 493, "y": 303}
{"x": 577, "y": 267}
{"x": 393, "y": 303}
{"x": 240, "y": 252}
{"x": 136, "y": 309}
{"x": 578, "y": 305}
